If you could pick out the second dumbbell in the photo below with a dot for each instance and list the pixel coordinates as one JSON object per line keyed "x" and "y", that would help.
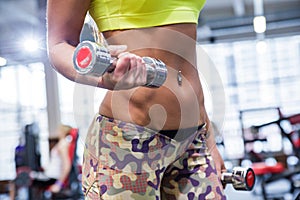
{"x": 241, "y": 178}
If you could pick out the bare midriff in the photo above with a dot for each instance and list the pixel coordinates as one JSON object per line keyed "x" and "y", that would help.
{"x": 171, "y": 106}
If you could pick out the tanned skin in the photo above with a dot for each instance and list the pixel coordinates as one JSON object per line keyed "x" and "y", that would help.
{"x": 169, "y": 107}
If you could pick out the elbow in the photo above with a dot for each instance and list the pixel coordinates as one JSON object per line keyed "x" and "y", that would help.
{"x": 51, "y": 53}
{"x": 60, "y": 56}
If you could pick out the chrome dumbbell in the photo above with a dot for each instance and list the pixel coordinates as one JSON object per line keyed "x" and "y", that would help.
{"x": 241, "y": 178}
{"x": 90, "y": 58}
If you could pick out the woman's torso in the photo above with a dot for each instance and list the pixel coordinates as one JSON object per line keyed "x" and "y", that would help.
{"x": 171, "y": 106}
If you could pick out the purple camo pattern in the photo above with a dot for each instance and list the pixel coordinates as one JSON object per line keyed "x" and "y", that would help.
{"x": 131, "y": 162}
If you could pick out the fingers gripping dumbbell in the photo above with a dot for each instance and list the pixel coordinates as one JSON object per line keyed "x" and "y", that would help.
{"x": 91, "y": 58}
{"x": 240, "y": 178}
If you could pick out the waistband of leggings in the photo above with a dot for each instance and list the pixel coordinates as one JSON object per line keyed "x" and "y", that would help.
{"x": 186, "y": 131}
{"x": 178, "y": 135}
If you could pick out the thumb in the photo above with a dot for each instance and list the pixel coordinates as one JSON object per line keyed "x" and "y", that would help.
{"x": 115, "y": 50}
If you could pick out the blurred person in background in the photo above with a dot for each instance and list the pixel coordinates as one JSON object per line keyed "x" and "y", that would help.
{"x": 60, "y": 164}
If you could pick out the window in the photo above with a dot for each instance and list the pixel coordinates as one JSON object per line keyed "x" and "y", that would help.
{"x": 253, "y": 78}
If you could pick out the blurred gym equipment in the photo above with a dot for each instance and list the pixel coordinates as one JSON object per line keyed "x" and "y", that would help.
{"x": 286, "y": 127}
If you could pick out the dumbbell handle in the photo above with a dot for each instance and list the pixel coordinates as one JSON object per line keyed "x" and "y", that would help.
{"x": 91, "y": 58}
{"x": 240, "y": 178}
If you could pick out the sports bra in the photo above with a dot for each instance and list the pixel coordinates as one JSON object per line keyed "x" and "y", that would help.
{"x": 128, "y": 14}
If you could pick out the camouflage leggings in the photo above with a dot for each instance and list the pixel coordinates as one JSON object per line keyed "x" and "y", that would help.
{"x": 127, "y": 161}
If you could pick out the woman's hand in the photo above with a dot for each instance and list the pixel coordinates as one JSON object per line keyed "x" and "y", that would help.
{"x": 128, "y": 70}
{"x": 56, "y": 187}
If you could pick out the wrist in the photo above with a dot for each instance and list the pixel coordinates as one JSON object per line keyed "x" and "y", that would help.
{"x": 59, "y": 183}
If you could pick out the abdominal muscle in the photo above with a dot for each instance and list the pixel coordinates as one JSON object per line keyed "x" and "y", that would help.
{"x": 172, "y": 106}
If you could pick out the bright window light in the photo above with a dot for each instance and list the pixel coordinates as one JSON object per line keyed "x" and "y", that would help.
{"x": 30, "y": 45}
{"x": 3, "y": 61}
{"x": 260, "y": 24}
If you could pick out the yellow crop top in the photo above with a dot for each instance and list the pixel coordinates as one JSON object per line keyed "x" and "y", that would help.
{"x": 127, "y": 14}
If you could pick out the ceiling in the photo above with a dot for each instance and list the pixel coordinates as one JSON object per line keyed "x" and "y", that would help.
{"x": 229, "y": 20}
{"x": 221, "y": 20}
{"x": 20, "y": 19}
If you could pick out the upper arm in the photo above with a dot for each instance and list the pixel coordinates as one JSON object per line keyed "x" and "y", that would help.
{"x": 63, "y": 149}
{"x": 64, "y": 20}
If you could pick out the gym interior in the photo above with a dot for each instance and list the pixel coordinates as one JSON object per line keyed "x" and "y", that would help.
{"x": 250, "y": 79}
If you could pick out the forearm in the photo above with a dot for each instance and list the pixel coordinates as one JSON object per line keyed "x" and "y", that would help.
{"x": 61, "y": 59}
{"x": 213, "y": 150}
{"x": 63, "y": 149}
{"x": 64, "y": 23}
{"x": 65, "y": 172}
{"x": 211, "y": 142}
{"x": 59, "y": 183}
